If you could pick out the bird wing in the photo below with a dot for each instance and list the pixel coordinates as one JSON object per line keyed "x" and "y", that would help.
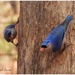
{"x": 56, "y": 37}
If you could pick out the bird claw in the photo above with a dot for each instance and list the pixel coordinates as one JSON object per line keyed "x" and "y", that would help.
{"x": 65, "y": 46}
{"x": 16, "y": 44}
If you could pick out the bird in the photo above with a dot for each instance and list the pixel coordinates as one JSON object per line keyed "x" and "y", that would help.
{"x": 10, "y": 33}
{"x": 55, "y": 37}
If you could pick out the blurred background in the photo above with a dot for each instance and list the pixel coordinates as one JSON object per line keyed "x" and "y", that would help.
{"x": 9, "y": 13}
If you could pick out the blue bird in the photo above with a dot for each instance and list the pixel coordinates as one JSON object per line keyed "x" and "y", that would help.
{"x": 55, "y": 38}
{"x": 10, "y": 33}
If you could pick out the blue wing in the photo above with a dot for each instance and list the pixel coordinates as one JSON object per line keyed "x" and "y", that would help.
{"x": 55, "y": 38}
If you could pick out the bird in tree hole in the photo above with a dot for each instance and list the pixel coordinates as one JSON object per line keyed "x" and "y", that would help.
{"x": 56, "y": 37}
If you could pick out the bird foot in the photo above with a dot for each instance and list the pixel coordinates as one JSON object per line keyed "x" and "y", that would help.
{"x": 16, "y": 44}
{"x": 62, "y": 50}
{"x": 65, "y": 46}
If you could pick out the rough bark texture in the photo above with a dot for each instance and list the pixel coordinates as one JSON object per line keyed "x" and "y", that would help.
{"x": 37, "y": 19}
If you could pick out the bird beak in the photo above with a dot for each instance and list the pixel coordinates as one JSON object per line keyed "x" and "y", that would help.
{"x": 42, "y": 49}
{"x": 11, "y": 36}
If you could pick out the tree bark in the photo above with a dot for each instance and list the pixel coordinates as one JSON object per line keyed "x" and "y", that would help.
{"x": 37, "y": 19}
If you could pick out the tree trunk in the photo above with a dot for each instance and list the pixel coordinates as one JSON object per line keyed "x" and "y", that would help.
{"x": 37, "y": 19}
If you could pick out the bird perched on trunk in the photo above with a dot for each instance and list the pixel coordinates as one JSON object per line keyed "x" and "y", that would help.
{"x": 10, "y": 33}
{"x": 55, "y": 38}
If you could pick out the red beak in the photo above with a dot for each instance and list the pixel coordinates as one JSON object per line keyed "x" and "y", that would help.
{"x": 11, "y": 36}
{"x": 42, "y": 49}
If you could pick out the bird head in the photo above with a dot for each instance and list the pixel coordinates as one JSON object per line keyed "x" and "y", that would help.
{"x": 44, "y": 45}
{"x": 10, "y": 34}
{"x": 48, "y": 46}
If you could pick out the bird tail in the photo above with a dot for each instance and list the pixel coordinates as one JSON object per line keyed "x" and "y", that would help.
{"x": 66, "y": 22}
{"x": 69, "y": 18}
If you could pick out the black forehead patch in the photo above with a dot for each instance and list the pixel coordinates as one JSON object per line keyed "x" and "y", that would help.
{"x": 44, "y": 46}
